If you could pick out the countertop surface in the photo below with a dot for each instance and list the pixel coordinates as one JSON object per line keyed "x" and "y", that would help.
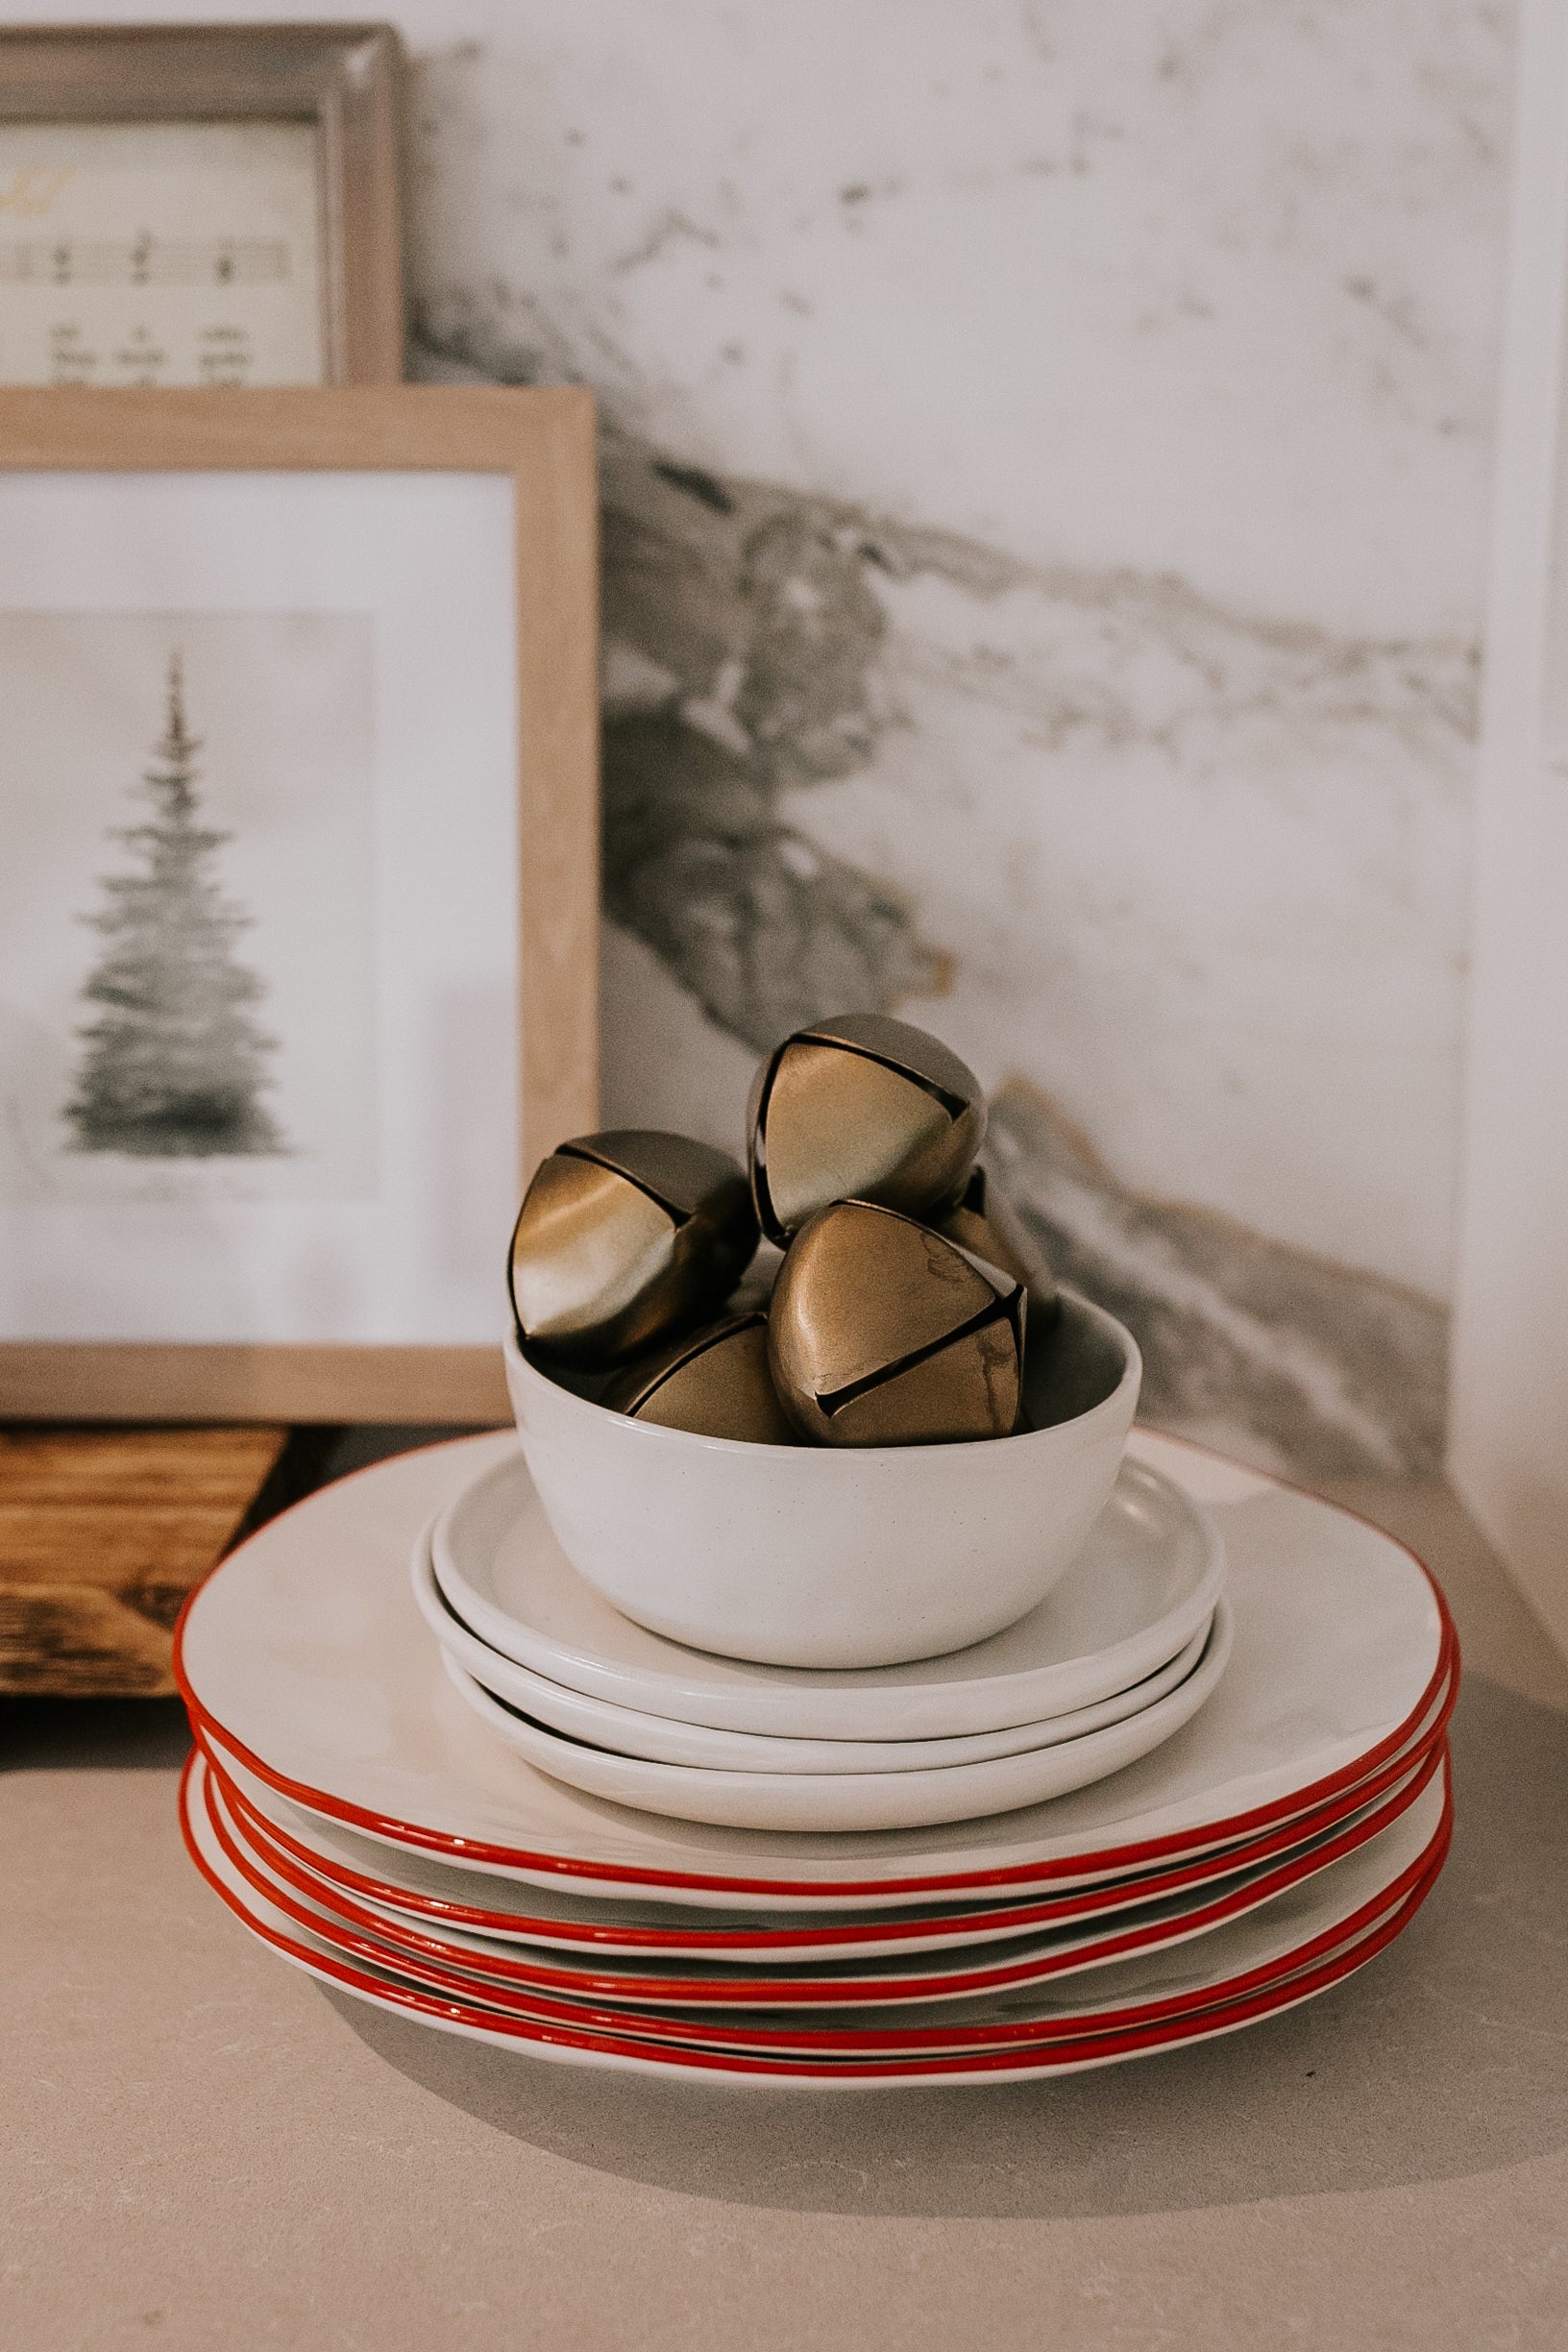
{"x": 204, "y": 2146}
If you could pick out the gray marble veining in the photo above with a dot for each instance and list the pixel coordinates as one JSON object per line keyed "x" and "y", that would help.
{"x": 1045, "y": 460}
{"x": 1287, "y": 1360}
{"x": 754, "y": 652}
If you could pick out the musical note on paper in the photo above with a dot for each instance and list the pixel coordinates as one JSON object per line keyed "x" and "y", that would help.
{"x": 144, "y": 260}
{"x": 183, "y": 253}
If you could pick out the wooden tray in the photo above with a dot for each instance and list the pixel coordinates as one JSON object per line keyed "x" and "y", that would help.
{"x": 103, "y": 1533}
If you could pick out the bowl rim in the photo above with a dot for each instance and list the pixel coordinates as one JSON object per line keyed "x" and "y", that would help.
{"x": 962, "y": 1449}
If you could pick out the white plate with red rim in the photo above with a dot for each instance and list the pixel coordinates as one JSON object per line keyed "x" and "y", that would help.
{"x": 304, "y": 1657}
{"x": 660, "y": 1739}
{"x": 626, "y": 2051}
{"x": 1292, "y": 1949}
{"x": 889, "y": 1978}
{"x": 409, "y": 1885}
{"x": 1145, "y": 1581}
{"x": 1260, "y": 1936}
{"x": 837, "y": 1802}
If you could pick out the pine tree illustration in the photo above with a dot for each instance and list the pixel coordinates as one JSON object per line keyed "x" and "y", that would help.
{"x": 174, "y": 1066}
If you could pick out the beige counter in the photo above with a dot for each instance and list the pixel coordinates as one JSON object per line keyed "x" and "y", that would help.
{"x": 205, "y": 2150}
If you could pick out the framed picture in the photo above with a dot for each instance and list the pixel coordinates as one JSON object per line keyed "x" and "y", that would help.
{"x": 200, "y": 205}
{"x": 298, "y": 888}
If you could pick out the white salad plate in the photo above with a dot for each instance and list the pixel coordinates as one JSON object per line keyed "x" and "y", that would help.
{"x": 840, "y": 1802}
{"x": 460, "y": 1960}
{"x": 1307, "y": 1939}
{"x": 1144, "y": 1585}
{"x": 408, "y": 1887}
{"x": 304, "y": 1659}
{"x": 662, "y": 1740}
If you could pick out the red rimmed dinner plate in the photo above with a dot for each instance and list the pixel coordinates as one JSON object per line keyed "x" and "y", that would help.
{"x": 411, "y": 1886}
{"x": 1342, "y": 1918}
{"x": 303, "y": 1659}
{"x": 466, "y": 1964}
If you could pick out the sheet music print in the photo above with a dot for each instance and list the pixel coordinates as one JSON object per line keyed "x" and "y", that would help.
{"x": 103, "y": 282}
{"x": 143, "y": 260}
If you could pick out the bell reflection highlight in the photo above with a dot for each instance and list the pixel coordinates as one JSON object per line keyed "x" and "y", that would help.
{"x": 622, "y": 1238}
{"x": 861, "y": 1106}
{"x": 716, "y": 1383}
{"x": 882, "y": 1332}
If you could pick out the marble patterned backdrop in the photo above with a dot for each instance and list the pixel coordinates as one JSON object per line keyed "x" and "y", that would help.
{"x": 1045, "y": 456}
{"x": 1045, "y": 463}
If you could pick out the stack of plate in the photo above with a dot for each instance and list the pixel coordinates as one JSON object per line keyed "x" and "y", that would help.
{"x": 525, "y": 1831}
{"x": 1126, "y": 1650}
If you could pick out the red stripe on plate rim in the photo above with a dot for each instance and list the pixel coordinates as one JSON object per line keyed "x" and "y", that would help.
{"x": 245, "y": 1844}
{"x": 1208, "y": 1862}
{"x": 445, "y": 1845}
{"x": 1086, "y": 2050}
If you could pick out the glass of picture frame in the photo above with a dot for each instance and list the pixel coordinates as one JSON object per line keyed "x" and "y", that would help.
{"x": 298, "y": 888}
{"x": 199, "y": 206}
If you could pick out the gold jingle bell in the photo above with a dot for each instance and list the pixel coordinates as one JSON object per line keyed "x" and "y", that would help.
{"x": 860, "y": 1108}
{"x": 623, "y": 1237}
{"x": 985, "y": 1222}
{"x": 716, "y": 1383}
{"x": 883, "y": 1332}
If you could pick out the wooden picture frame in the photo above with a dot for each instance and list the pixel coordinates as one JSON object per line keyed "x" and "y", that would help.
{"x": 542, "y": 441}
{"x": 343, "y": 78}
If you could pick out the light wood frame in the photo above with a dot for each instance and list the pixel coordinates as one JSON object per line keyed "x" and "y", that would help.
{"x": 344, "y": 77}
{"x": 544, "y": 440}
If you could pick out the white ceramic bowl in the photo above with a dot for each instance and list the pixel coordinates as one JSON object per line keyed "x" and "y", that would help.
{"x": 808, "y": 1555}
